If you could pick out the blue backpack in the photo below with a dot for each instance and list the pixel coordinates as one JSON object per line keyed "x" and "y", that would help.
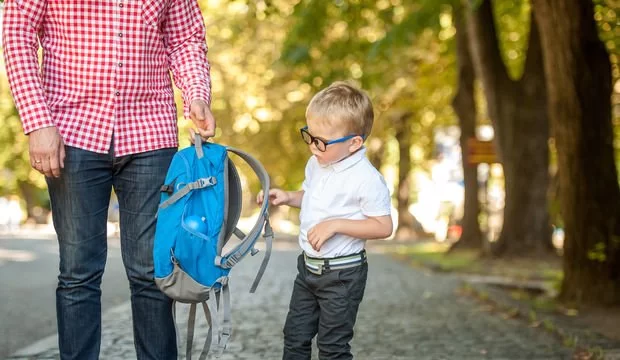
{"x": 199, "y": 209}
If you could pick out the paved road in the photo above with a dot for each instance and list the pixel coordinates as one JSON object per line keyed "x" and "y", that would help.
{"x": 28, "y": 277}
{"x": 406, "y": 314}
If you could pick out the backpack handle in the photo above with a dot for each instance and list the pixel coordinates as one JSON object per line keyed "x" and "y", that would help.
{"x": 198, "y": 145}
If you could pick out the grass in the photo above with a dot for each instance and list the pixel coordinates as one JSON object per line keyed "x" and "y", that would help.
{"x": 435, "y": 255}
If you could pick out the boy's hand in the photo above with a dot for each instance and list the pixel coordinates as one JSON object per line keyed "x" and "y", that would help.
{"x": 276, "y": 197}
{"x": 321, "y": 232}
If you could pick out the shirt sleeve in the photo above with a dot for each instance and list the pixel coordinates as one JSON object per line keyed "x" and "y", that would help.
{"x": 375, "y": 197}
{"x": 184, "y": 36}
{"x": 22, "y": 21}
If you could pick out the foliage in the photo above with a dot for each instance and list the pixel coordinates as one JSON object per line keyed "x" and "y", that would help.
{"x": 270, "y": 56}
{"x": 14, "y": 159}
{"x": 608, "y": 20}
{"x": 401, "y": 52}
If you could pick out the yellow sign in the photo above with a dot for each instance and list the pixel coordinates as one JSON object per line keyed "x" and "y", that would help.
{"x": 480, "y": 152}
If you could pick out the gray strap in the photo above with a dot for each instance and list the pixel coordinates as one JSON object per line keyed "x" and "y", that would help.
{"x": 176, "y": 328}
{"x": 209, "y": 339}
{"x": 222, "y": 237}
{"x": 262, "y": 176}
{"x": 247, "y": 242}
{"x": 268, "y": 235}
{"x": 198, "y": 184}
{"x": 238, "y": 233}
{"x": 214, "y": 317}
{"x": 198, "y": 146}
{"x": 191, "y": 323}
{"x": 225, "y": 330}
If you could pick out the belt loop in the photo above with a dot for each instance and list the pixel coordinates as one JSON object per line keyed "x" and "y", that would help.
{"x": 325, "y": 266}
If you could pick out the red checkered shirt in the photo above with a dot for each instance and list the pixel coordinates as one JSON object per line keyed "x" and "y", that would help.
{"x": 106, "y": 69}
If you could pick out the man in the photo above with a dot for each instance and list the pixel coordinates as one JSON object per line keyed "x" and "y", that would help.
{"x": 100, "y": 115}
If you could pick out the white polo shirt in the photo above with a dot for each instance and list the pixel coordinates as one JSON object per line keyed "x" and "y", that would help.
{"x": 349, "y": 189}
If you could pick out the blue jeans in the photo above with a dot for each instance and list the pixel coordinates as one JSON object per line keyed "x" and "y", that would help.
{"x": 80, "y": 199}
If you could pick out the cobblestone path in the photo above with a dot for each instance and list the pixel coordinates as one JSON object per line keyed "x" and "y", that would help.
{"x": 406, "y": 314}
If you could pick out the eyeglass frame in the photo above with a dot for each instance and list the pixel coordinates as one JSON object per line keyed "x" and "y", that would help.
{"x": 316, "y": 140}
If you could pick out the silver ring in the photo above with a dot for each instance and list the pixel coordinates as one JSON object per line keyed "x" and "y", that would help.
{"x": 37, "y": 161}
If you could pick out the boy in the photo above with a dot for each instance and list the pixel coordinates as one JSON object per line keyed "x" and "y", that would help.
{"x": 344, "y": 201}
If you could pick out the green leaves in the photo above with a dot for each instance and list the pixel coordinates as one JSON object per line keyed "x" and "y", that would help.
{"x": 419, "y": 18}
{"x": 599, "y": 253}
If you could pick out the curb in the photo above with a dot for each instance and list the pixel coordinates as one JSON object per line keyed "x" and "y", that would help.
{"x": 570, "y": 330}
{"x": 51, "y": 342}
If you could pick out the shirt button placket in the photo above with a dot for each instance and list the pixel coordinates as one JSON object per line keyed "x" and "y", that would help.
{"x": 120, "y": 35}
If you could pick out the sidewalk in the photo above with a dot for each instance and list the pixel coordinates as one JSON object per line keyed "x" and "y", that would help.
{"x": 406, "y": 314}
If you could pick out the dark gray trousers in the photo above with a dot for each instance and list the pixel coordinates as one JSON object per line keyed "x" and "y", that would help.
{"x": 325, "y": 305}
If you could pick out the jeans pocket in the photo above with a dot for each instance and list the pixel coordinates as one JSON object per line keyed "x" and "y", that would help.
{"x": 354, "y": 281}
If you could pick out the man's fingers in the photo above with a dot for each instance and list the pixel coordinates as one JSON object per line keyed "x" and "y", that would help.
{"x": 62, "y": 155}
{"x": 198, "y": 113}
{"x": 192, "y": 135}
{"x": 54, "y": 163}
{"x": 46, "y": 151}
{"x": 46, "y": 168}
{"x": 206, "y": 133}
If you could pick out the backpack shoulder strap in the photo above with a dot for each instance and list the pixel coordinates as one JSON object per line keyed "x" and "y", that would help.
{"x": 262, "y": 223}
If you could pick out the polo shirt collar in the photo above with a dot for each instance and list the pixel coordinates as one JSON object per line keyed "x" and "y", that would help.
{"x": 349, "y": 161}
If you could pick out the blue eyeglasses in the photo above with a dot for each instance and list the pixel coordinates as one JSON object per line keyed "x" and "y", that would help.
{"x": 320, "y": 143}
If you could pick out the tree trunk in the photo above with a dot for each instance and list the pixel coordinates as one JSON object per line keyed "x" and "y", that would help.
{"x": 518, "y": 110}
{"x": 578, "y": 75}
{"x": 465, "y": 107}
{"x": 406, "y": 221}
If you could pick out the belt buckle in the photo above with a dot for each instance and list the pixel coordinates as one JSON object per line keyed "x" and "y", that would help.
{"x": 320, "y": 270}
{"x": 310, "y": 268}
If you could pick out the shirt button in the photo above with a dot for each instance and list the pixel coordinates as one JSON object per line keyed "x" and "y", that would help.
{"x": 120, "y": 64}
{"x": 121, "y": 5}
{"x": 118, "y": 93}
{"x": 120, "y": 34}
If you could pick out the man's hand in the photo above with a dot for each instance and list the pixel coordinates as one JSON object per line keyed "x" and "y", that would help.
{"x": 201, "y": 115}
{"x": 47, "y": 151}
{"x": 321, "y": 232}
{"x": 276, "y": 197}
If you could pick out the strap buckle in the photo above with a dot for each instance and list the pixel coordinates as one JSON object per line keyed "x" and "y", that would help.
{"x": 204, "y": 182}
{"x": 167, "y": 189}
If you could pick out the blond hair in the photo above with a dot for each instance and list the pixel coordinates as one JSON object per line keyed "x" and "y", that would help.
{"x": 342, "y": 104}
